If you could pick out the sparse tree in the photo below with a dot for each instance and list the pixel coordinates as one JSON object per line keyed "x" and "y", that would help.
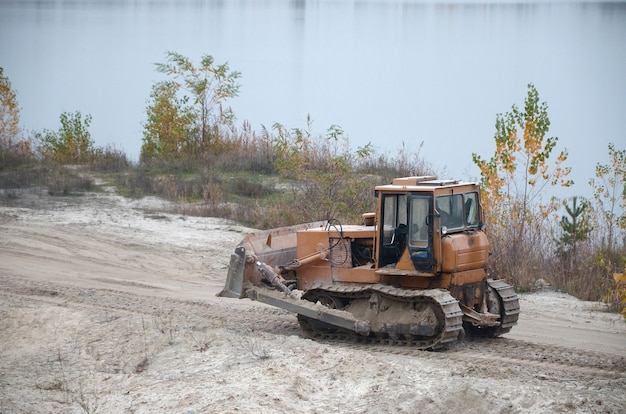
{"x": 609, "y": 193}
{"x": 576, "y": 225}
{"x": 209, "y": 86}
{"x": 170, "y": 121}
{"x": 11, "y": 150}
{"x": 514, "y": 179}
{"x": 9, "y": 112}
{"x": 72, "y": 143}
{"x": 575, "y": 228}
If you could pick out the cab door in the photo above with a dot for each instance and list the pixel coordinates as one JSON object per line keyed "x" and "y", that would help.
{"x": 420, "y": 232}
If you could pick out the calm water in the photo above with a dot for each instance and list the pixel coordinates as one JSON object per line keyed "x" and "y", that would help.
{"x": 388, "y": 72}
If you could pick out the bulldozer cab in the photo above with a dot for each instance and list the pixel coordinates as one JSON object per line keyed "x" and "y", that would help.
{"x": 415, "y": 213}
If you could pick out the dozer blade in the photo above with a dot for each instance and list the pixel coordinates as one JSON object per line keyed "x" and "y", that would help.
{"x": 274, "y": 247}
{"x": 234, "y": 278}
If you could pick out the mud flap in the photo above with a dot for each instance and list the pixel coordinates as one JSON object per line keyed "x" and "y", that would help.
{"x": 234, "y": 279}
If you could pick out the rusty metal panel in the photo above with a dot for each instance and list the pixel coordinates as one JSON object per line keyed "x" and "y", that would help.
{"x": 464, "y": 251}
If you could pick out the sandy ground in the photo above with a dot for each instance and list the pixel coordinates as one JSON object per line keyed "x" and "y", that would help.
{"x": 109, "y": 306}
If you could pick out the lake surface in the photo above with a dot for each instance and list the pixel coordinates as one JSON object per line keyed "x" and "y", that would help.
{"x": 388, "y": 72}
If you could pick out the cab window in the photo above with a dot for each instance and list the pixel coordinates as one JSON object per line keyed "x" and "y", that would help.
{"x": 418, "y": 230}
{"x": 458, "y": 211}
{"x": 450, "y": 208}
{"x": 394, "y": 215}
{"x": 472, "y": 218}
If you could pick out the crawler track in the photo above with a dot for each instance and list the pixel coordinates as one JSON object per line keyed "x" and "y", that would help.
{"x": 444, "y": 306}
{"x": 509, "y": 303}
